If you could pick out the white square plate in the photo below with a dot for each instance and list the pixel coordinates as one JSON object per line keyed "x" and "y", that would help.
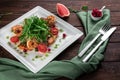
{"x": 31, "y": 60}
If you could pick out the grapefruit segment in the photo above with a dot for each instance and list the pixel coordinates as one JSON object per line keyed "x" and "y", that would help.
{"x": 62, "y": 10}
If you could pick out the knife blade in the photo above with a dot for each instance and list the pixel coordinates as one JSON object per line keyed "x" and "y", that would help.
{"x": 103, "y": 38}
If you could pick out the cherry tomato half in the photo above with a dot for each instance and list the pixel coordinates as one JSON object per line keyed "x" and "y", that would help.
{"x": 42, "y": 48}
{"x": 14, "y": 39}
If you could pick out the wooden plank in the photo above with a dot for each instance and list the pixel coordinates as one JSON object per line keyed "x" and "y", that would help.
{"x": 73, "y": 19}
{"x": 50, "y": 4}
{"x": 107, "y": 71}
{"x": 112, "y": 52}
{"x": 5, "y": 54}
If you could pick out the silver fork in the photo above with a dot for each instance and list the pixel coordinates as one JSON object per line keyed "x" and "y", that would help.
{"x": 102, "y": 31}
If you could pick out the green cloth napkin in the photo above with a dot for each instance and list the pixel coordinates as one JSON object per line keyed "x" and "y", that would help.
{"x": 13, "y": 70}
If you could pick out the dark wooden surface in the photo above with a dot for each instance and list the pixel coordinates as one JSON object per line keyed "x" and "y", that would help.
{"x": 109, "y": 69}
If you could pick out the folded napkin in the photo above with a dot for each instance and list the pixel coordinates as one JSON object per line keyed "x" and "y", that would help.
{"x": 13, "y": 70}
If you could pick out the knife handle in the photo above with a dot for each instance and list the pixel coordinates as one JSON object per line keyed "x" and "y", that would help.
{"x": 88, "y": 46}
{"x": 91, "y": 53}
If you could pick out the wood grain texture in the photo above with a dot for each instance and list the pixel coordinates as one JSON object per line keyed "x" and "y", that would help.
{"x": 73, "y": 19}
{"x": 109, "y": 69}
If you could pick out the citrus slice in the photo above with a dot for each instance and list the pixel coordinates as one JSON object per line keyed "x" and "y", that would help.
{"x": 62, "y": 10}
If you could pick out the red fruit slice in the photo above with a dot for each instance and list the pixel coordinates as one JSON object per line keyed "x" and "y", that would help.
{"x": 42, "y": 48}
{"x": 62, "y": 10}
{"x": 14, "y": 39}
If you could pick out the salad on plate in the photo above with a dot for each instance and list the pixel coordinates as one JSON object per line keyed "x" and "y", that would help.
{"x": 35, "y": 34}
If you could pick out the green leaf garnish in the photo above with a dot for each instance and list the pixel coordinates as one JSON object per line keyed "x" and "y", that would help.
{"x": 84, "y": 8}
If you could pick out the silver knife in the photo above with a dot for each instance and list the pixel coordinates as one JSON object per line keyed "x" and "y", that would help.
{"x": 103, "y": 38}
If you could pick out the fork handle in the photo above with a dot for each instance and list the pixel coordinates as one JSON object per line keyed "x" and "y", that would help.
{"x": 88, "y": 46}
{"x": 91, "y": 53}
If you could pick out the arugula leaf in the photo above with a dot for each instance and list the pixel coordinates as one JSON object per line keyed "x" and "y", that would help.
{"x": 35, "y": 27}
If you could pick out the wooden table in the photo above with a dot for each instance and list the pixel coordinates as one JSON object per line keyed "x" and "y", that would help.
{"x": 109, "y": 69}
